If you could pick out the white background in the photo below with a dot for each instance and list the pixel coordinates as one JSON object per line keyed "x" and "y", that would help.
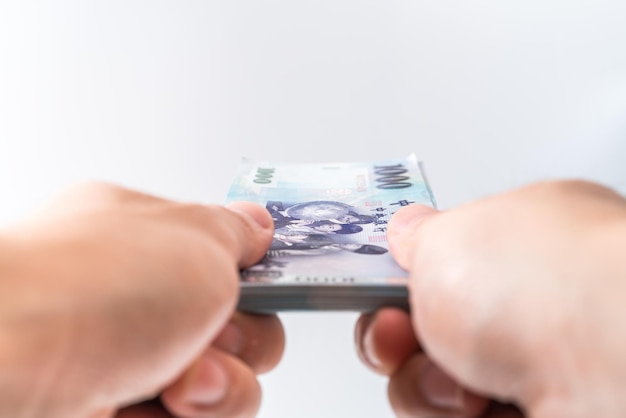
{"x": 167, "y": 96}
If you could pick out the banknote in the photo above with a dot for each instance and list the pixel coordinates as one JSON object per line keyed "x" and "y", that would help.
{"x": 329, "y": 250}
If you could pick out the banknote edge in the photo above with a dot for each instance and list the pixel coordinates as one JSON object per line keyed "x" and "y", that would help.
{"x": 422, "y": 169}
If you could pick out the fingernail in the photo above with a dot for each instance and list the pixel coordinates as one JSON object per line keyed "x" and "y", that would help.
{"x": 231, "y": 339}
{"x": 260, "y": 215}
{"x": 439, "y": 389}
{"x": 209, "y": 383}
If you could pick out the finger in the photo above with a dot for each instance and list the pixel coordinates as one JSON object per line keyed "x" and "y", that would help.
{"x": 385, "y": 340}
{"x": 258, "y": 340}
{"x": 254, "y": 233}
{"x": 403, "y": 227}
{"x": 421, "y": 389}
{"x": 216, "y": 385}
{"x": 104, "y": 413}
{"x": 212, "y": 242}
{"x": 242, "y": 231}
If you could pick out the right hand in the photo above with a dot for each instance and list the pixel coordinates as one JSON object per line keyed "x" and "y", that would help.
{"x": 519, "y": 298}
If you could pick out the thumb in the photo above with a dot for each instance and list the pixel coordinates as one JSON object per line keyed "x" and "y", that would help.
{"x": 254, "y": 232}
{"x": 403, "y": 231}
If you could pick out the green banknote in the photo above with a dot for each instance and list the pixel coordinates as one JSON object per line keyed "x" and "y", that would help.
{"x": 329, "y": 250}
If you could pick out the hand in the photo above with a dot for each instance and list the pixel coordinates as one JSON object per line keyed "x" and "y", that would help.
{"x": 110, "y": 298}
{"x": 518, "y": 298}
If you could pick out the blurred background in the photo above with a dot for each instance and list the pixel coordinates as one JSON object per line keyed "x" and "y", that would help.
{"x": 166, "y": 97}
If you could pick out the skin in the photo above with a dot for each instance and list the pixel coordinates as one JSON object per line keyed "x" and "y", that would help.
{"x": 517, "y": 307}
{"x": 119, "y": 304}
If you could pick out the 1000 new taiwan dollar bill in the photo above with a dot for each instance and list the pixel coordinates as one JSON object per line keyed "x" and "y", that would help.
{"x": 329, "y": 250}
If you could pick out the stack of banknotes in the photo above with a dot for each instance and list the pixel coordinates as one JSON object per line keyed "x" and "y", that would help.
{"x": 329, "y": 250}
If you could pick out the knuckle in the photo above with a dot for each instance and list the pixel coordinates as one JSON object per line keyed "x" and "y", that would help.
{"x": 93, "y": 188}
{"x": 101, "y": 192}
{"x": 199, "y": 213}
{"x": 567, "y": 187}
{"x": 217, "y": 221}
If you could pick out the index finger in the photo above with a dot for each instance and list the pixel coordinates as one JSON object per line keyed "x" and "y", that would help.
{"x": 385, "y": 340}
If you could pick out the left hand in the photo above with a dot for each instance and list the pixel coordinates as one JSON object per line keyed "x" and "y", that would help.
{"x": 114, "y": 303}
